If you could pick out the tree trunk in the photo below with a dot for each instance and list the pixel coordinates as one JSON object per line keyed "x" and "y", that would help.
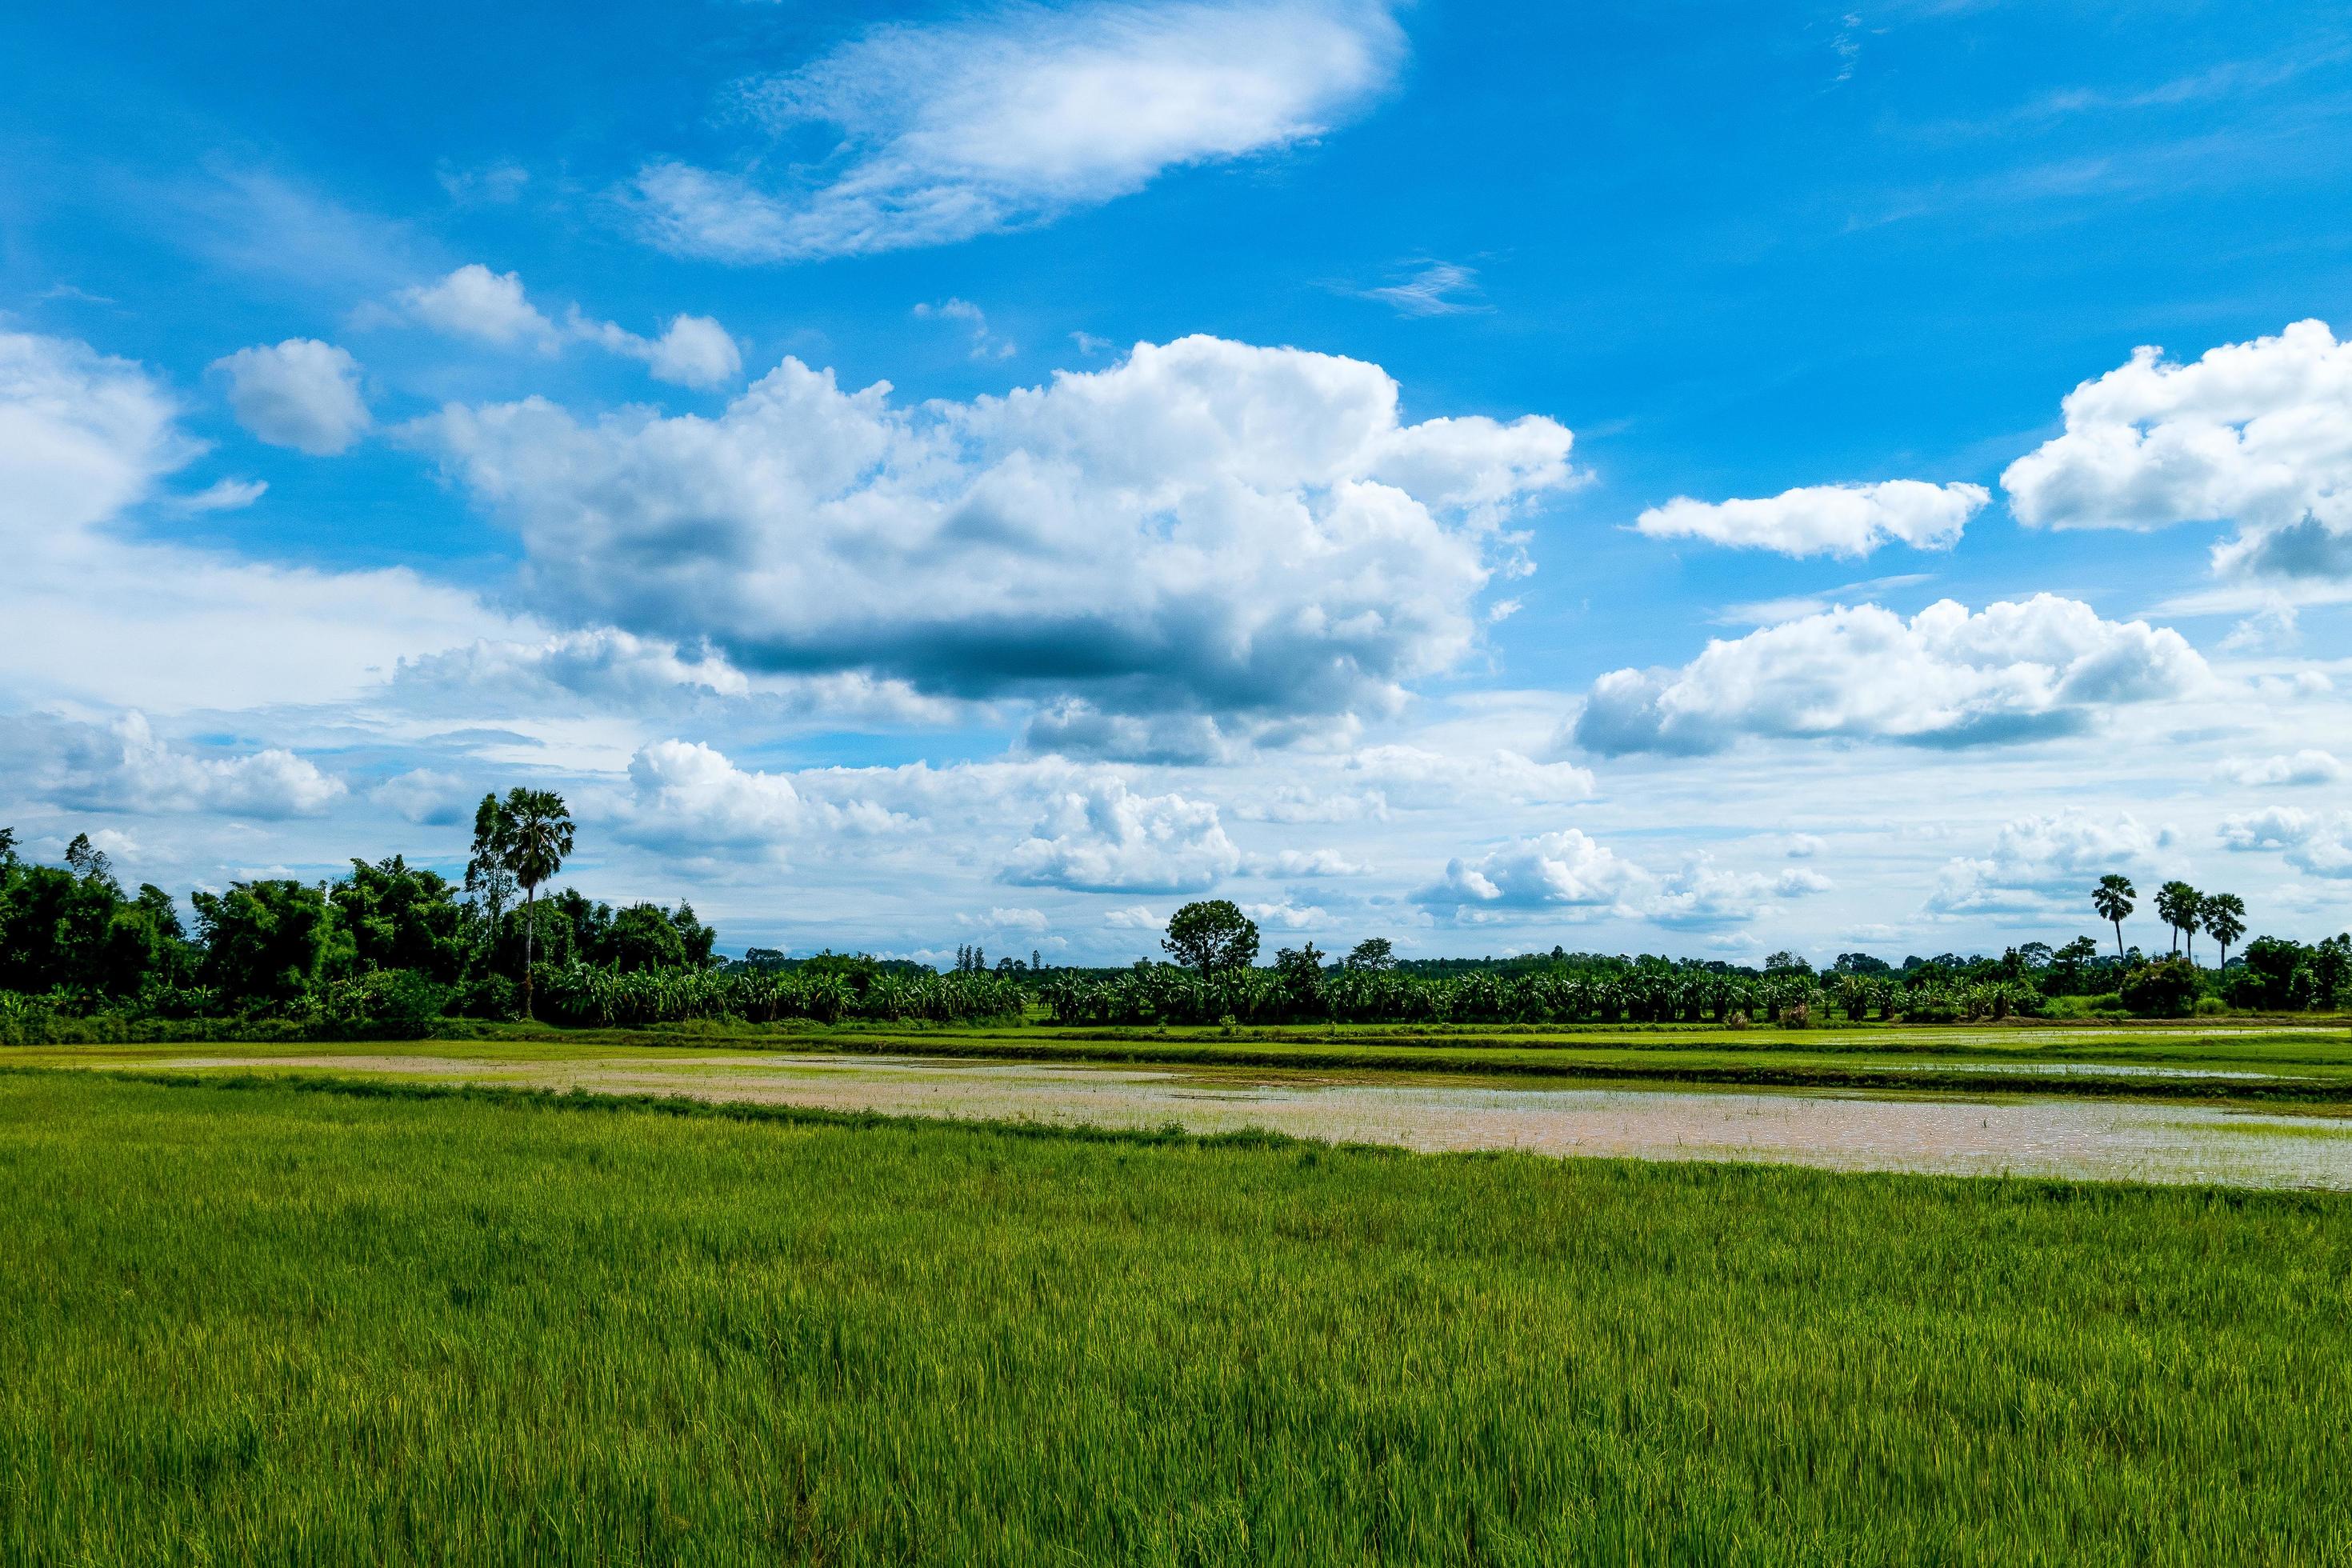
{"x": 530, "y": 929}
{"x": 2119, "y": 942}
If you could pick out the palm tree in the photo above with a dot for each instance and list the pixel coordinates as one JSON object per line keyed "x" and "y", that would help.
{"x": 2176, "y": 906}
{"x": 2113, "y": 899}
{"x": 2225, "y": 921}
{"x": 537, "y": 837}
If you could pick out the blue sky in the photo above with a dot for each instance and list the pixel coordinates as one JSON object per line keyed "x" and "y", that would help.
{"x": 391, "y": 403}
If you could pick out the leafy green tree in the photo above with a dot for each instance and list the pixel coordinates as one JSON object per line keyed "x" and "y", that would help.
{"x": 2278, "y": 974}
{"x": 2068, "y": 965}
{"x": 2113, "y": 899}
{"x": 2165, "y": 989}
{"x": 1212, "y": 934}
{"x": 489, "y": 881}
{"x": 2331, "y": 965}
{"x": 2224, "y": 915}
{"x": 70, "y": 929}
{"x": 402, "y": 917}
{"x": 266, "y": 941}
{"x": 695, "y": 938}
{"x": 2176, "y": 906}
{"x": 644, "y": 937}
{"x": 1300, "y": 971}
{"x": 1374, "y": 953}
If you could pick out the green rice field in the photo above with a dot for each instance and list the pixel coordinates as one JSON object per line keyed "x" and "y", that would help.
{"x": 257, "y": 1320}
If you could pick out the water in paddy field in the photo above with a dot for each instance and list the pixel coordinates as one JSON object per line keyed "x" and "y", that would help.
{"x": 2091, "y": 1139}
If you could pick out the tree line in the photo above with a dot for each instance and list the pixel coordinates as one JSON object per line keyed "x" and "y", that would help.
{"x": 389, "y": 947}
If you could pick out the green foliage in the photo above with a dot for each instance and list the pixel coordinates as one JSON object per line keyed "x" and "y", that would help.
{"x": 70, "y": 929}
{"x": 266, "y": 941}
{"x": 401, "y": 917}
{"x": 586, "y": 994}
{"x": 1653, "y": 993}
{"x": 1211, "y": 935}
{"x": 471, "y": 1330}
{"x": 2167, "y": 988}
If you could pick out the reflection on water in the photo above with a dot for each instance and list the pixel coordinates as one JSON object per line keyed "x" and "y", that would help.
{"x": 2096, "y": 1138}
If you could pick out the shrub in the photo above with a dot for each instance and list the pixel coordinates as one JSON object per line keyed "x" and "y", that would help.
{"x": 2165, "y": 989}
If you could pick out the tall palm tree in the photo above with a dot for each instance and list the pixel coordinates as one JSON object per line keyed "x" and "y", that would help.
{"x": 2113, "y": 899}
{"x": 2176, "y": 906}
{"x": 2225, "y": 921}
{"x": 537, "y": 836}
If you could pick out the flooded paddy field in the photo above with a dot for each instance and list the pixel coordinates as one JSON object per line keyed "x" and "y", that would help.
{"x": 2026, "y": 1134}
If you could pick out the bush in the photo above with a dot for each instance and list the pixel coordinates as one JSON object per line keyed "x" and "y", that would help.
{"x": 491, "y": 997}
{"x": 384, "y": 1004}
{"x": 2165, "y": 989}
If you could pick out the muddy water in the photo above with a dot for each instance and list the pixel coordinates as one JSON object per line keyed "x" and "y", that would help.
{"x": 2100, "y": 1139}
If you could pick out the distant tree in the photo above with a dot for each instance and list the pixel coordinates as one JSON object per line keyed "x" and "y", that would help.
{"x": 402, "y": 917}
{"x": 89, "y": 862}
{"x": 266, "y": 940}
{"x": 1211, "y": 935}
{"x": 7, "y": 847}
{"x": 2223, "y": 916}
{"x": 2069, "y": 964}
{"x": 1299, "y": 971}
{"x": 74, "y": 930}
{"x": 2165, "y": 989}
{"x": 1785, "y": 963}
{"x": 2331, "y": 963}
{"x": 2275, "y": 974}
{"x": 2176, "y": 906}
{"x": 527, "y": 835}
{"x": 694, "y": 938}
{"x": 1376, "y": 953}
{"x": 1861, "y": 964}
{"x": 489, "y": 881}
{"x": 644, "y": 937}
{"x": 2113, "y": 899}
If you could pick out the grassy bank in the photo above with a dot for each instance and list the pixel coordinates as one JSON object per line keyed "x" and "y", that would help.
{"x": 250, "y": 1322}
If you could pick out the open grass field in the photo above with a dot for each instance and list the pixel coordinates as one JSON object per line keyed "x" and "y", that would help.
{"x": 2306, "y": 1061}
{"x": 262, "y": 1321}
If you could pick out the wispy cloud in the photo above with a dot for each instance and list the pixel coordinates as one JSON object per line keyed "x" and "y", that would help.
{"x": 1435, "y": 288}
{"x": 943, "y": 132}
{"x": 985, "y": 345}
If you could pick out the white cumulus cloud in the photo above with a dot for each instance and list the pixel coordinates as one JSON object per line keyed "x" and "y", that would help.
{"x": 2318, "y": 843}
{"x": 126, "y": 766}
{"x": 1945, "y": 677}
{"x": 1566, "y": 869}
{"x": 2256, "y": 433}
{"x": 489, "y": 306}
{"x": 301, "y": 394}
{"x": 692, "y": 351}
{"x": 1826, "y": 520}
{"x": 426, "y": 796}
{"x": 688, "y": 796}
{"x": 2041, "y": 864}
{"x": 1206, "y": 527}
{"x": 1104, "y": 837}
